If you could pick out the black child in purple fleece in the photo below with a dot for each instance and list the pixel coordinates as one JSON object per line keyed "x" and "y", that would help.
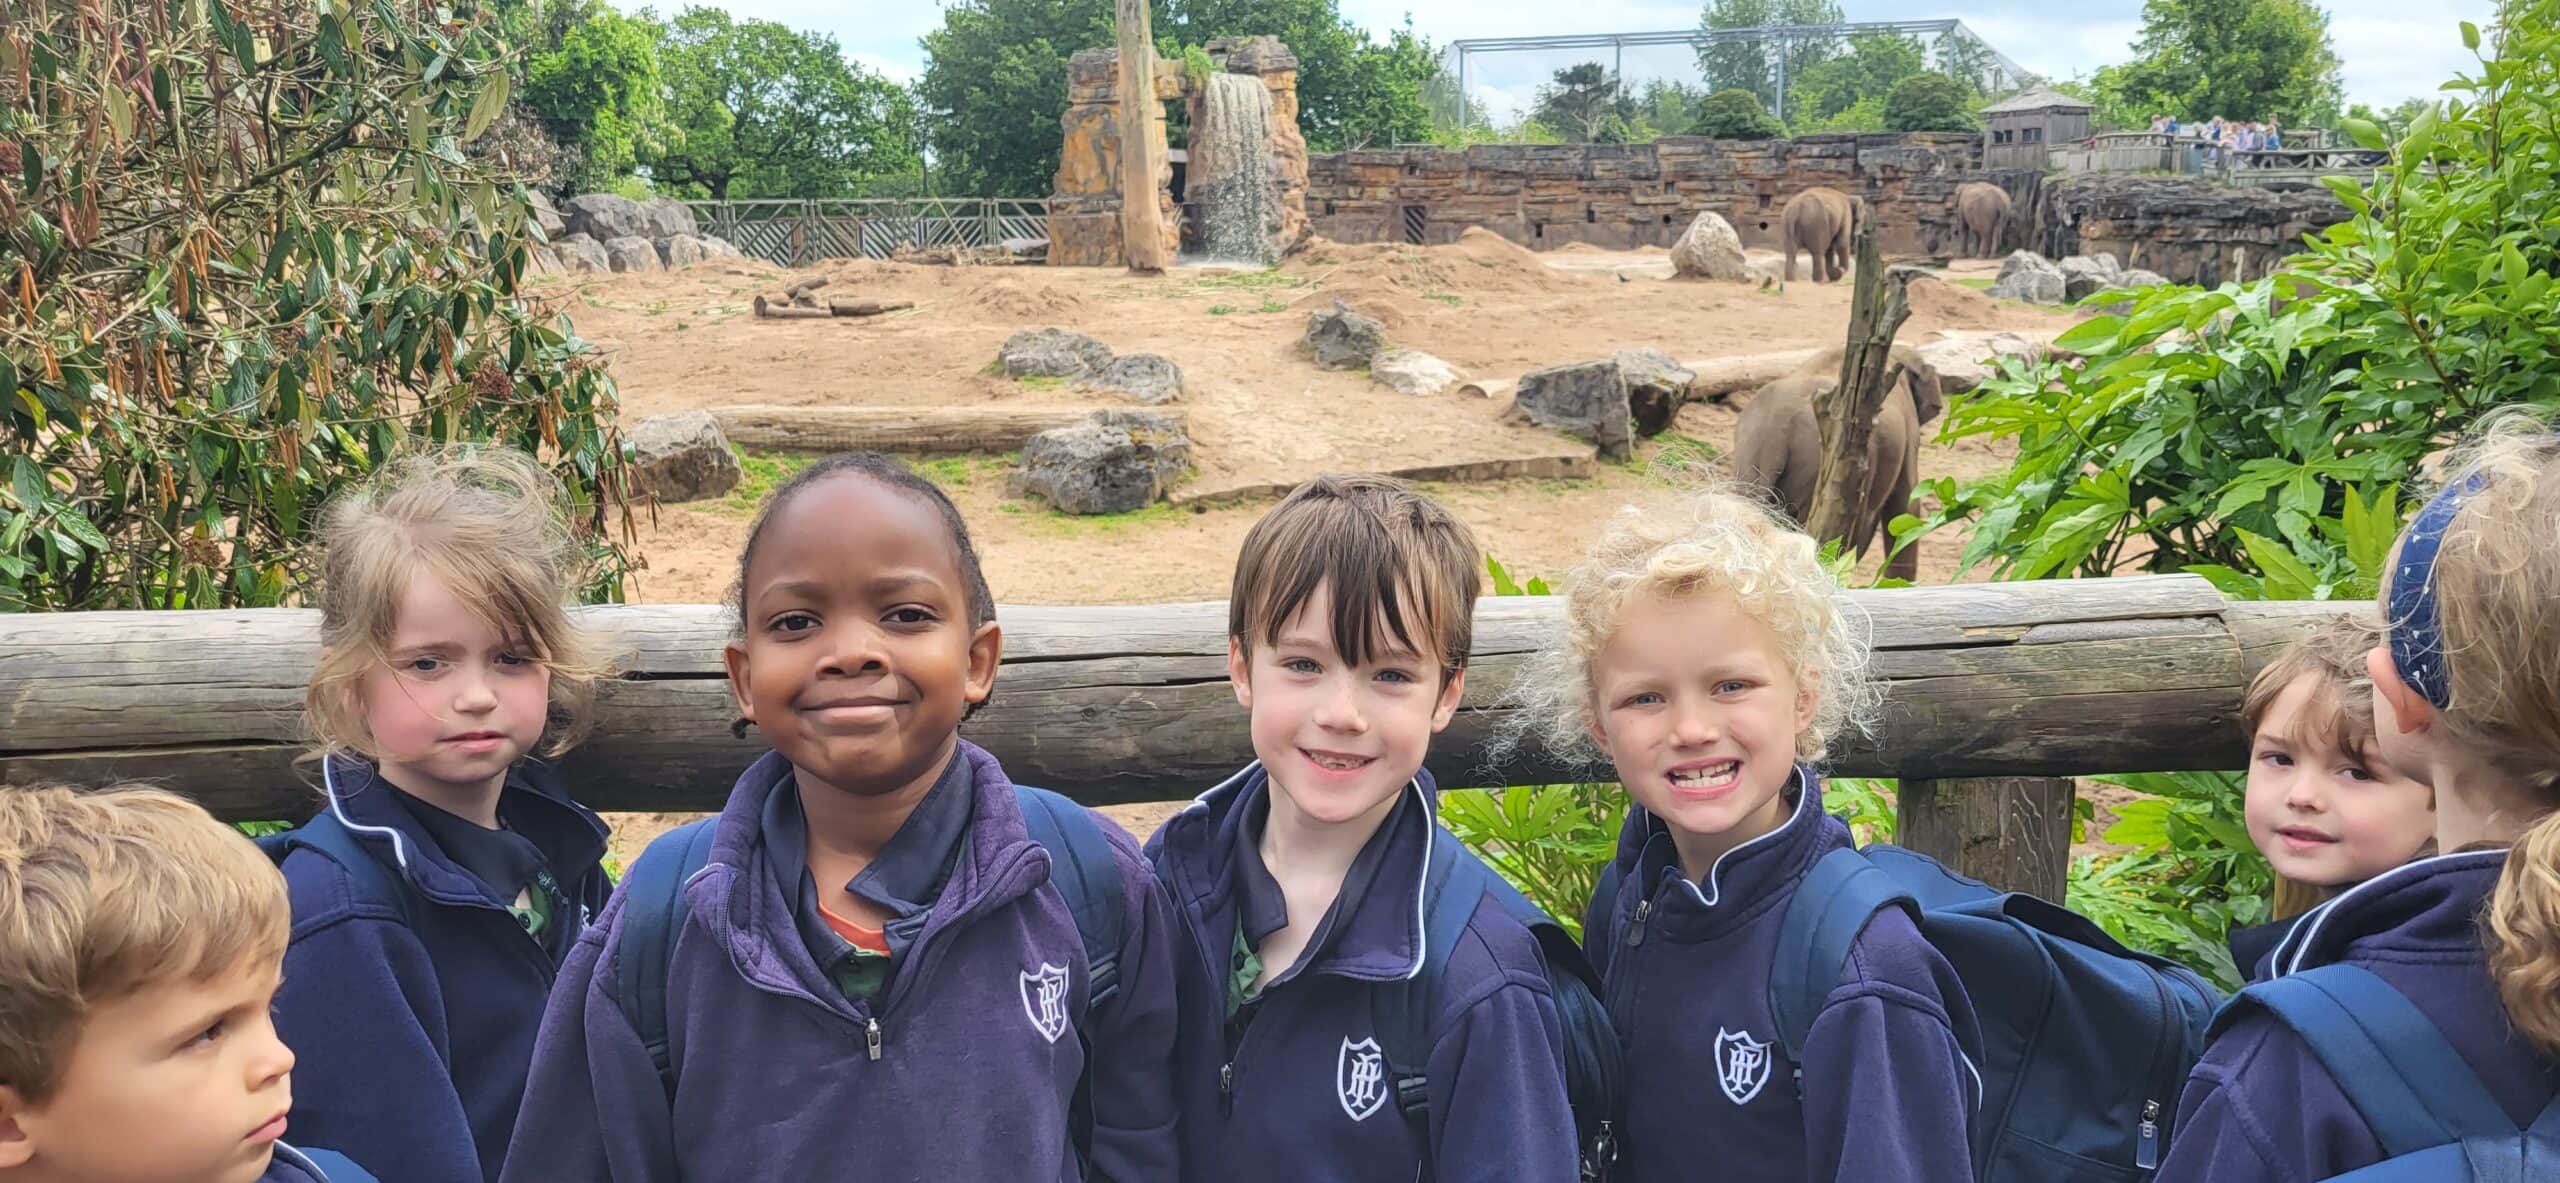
{"x": 867, "y": 635}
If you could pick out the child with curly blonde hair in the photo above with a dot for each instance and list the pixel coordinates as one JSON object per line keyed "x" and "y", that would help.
{"x": 1709, "y": 656}
{"x": 2445, "y": 970}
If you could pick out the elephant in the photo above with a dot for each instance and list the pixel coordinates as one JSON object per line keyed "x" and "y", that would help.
{"x": 1981, "y": 210}
{"x": 1778, "y": 446}
{"x": 1821, "y": 221}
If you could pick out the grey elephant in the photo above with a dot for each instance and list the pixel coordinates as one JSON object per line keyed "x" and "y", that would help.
{"x": 1981, "y": 210}
{"x": 1778, "y": 446}
{"x": 1821, "y": 221}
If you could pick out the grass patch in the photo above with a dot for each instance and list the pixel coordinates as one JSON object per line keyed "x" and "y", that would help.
{"x": 1068, "y": 525}
{"x": 1221, "y": 309}
{"x": 959, "y": 472}
{"x": 1250, "y": 281}
{"x": 1272, "y": 304}
{"x": 763, "y": 471}
{"x": 1977, "y": 284}
{"x": 1452, "y": 299}
{"x": 1676, "y": 456}
{"x": 1041, "y": 381}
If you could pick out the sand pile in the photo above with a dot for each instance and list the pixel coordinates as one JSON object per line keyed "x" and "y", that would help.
{"x": 1937, "y": 304}
{"x": 1479, "y": 262}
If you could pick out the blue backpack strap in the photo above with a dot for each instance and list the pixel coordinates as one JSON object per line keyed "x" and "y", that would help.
{"x": 1400, "y": 1012}
{"x": 325, "y": 836}
{"x": 2390, "y": 1060}
{"x": 654, "y": 911}
{"x": 1082, "y": 868}
{"x": 1830, "y": 908}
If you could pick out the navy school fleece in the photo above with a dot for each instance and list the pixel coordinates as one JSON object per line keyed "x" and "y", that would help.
{"x": 774, "y": 1079}
{"x": 412, "y": 1027}
{"x": 1290, "y": 1105}
{"x": 290, "y": 1165}
{"x": 2260, "y": 1106}
{"x": 1888, "y": 1087}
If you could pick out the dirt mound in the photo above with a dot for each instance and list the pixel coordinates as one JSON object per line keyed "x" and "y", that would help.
{"x": 1021, "y": 299}
{"x": 1937, "y": 304}
{"x": 1580, "y": 248}
{"x": 1385, "y": 303}
{"x": 1479, "y": 262}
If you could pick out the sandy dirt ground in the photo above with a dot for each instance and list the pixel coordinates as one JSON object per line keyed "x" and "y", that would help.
{"x": 1258, "y": 409}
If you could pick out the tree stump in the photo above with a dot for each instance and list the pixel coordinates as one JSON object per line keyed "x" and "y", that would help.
{"x": 1847, "y": 413}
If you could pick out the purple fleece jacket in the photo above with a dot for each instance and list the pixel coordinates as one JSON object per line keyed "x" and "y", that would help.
{"x": 2260, "y": 1106}
{"x": 1290, "y": 1087}
{"x": 1887, "y": 1087}
{"x": 776, "y": 1074}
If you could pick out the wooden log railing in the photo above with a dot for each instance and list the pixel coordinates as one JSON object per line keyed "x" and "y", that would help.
{"x": 1131, "y": 703}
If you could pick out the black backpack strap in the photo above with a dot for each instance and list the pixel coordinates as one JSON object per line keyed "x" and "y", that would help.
{"x": 1400, "y": 1012}
{"x": 1601, "y": 918}
{"x": 1086, "y": 875}
{"x": 367, "y": 878}
{"x": 2386, "y": 1055}
{"x": 654, "y": 912}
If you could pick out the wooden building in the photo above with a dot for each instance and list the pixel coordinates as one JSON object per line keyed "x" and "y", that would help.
{"x": 2017, "y": 133}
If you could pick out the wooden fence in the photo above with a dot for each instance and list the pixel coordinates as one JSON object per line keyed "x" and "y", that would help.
{"x": 1131, "y": 703}
{"x": 794, "y": 233}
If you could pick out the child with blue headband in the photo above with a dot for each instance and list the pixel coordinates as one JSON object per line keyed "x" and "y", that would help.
{"x": 2415, "y": 1019}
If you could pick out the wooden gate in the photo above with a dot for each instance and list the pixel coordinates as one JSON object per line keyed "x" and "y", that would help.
{"x": 794, "y": 232}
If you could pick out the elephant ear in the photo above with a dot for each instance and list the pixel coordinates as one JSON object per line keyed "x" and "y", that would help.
{"x": 1928, "y": 395}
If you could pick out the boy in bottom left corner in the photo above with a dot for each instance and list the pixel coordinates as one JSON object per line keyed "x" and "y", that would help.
{"x": 141, "y": 944}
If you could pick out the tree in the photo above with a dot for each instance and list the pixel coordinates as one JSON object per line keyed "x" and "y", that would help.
{"x": 1351, "y": 90}
{"x": 2235, "y": 59}
{"x": 248, "y": 262}
{"x": 1585, "y": 105}
{"x": 1736, "y": 114}
{"x": 1386, "y": 99}
{"x": 1930, "y": 102}
{"x": 1666, "y": 108}
{"x": 1750, "y": 65}
{"x": 768, "y": 111}
{"x": 2106, "y": 90}
{"x": 599, "y": 89}
{"x": 1868, "y": 70}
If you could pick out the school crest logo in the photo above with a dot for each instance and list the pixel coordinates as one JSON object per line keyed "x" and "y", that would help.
{"x": 1742, "y": 1065}
{"x": 1044, "y": 998}
{"x": 1360, "y": 1078}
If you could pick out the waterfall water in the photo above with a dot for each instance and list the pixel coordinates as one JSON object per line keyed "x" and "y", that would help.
{"x": 1231, "y": 171}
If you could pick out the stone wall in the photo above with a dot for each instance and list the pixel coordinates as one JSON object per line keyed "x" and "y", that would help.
{"x": 2189, "y": 231}
{"x": 1084, "y": 211}
{"x": 1621, "y": 196}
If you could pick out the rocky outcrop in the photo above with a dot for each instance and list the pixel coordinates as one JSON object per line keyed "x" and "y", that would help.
{"x": 1115, "y": 462}
{"x": 2084, "y": 276}
{"x": 1709, "y": 249}
{"x": 1609, "y": 401}
{"x": 1084, "y": 207}
{"x": 1411, "y": 371}
{"x": 666, "y": 217}
{"x": 1341, "y": 339}
{"x": 681, "y": 457}
{"x": 1145, "y": 377}
{"x": 632, "y": 253}
{"x": 1052, "y": 353}
{"x": 2030, "y": 277}
{"x": 547, "y": 217}
{"x": 581, "y": 255}
{"x": 2193, "y": 232}
{"x": 605, "y": 217}
{"x": 1657, "y": 386}
{"x": 682, "y": 250}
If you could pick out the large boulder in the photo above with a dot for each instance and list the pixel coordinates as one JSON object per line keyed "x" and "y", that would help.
{"x": 1411, "y": 371}
{"x": 1142, "y": 376}
{"x": 1963, "y": 360}
{"x": 666, "y": 217}
{"x": 1709, "y": 249}
{"x": 605, "y": 217}
{"x": 1588, "y": 399}
{"x": 547, "y": 216}
{"x": 1114, "y": 462}
{"x": 721, "y": 248}
{"x": 632, "y": 253}
{"x": 1342, "y": 339}
{"x": 581, "y": 255}
{"x": 681, "y": 457}
{"x": 1052, "y": 353}
{"x": 2030, "y": 277}
{"x": 682, "y": 250}
{"x": 2084, "y": 276}
{"x": 1657, "y": 387}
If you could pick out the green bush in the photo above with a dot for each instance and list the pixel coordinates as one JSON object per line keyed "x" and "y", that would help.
{"x": 1736, "y": 115}
{"x": 245, "y": 261}
{"x": 1930, "y": 102}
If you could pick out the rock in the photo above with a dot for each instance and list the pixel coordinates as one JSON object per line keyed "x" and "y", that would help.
{"x": 2193, "y": 231}
{"x": 2127, "y": 281}
{"x": 581, "y": 255}
{"x": 721, "y": 248}
{"x": 632, "y": 253}
{"x": 1342, "y": 339}
{"x": 1052, "y": 353}
{"x": 1143, "y": 376}
{"x": 2083, "y": 276}
{"x": 1656, "y": 388}
{"x": 1025, "y": 250}
{"x": 682, "y": 250}
{"x": 1709, "y": 249}
{"x": 666, "y": 217}
{"x": 1115, "y": 462}
{"x": 543, "y": 260}
{"x": 605, "y": 217}
{"x": 681, "y": 457}
{"x": 1965, "y": 360}
{"x": 2030, "y": 277}
{"x": 1411, "y": 371}
{"x": 547, "y": 217}
{"x": 1588, "y": 399}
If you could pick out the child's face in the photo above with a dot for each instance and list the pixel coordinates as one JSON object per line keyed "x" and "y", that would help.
{"x": 858, "y": 659}
{"x": 182, "y": 1082}
{"x": 1339, "y": 739}
{"x": 1699, "y": 708}
{"x": 2325, "y": 816}
{"x": 454, "y": 703}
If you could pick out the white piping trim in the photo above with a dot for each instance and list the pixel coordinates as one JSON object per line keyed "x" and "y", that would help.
{"x": 1804, "y": 794}
{"x": 329, "y": 787}
{"x": 1422, "y": 886}
{"x": 2300, "y": 940}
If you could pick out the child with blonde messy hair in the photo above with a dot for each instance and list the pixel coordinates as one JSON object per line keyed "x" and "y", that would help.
{"x": 436, "y": 894}
{"x": 1709, "y": 656}
{"x": 140, "y": 943}
{"x": 2421, "y": 1008}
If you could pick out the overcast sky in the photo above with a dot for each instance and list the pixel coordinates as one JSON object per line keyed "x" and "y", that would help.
{"x": 2391, "y": 49}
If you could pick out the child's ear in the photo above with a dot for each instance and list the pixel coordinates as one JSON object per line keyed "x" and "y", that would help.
{"x": 1808, "y": 702}
{"x": 16, "y": 1148}
{"x": 1240, "y": 672}
{"x": 734, "y": 656}
{"x": 986, "y": 655}
{"x": 1451, "y": 692}
{"x": 2402, "y": 707}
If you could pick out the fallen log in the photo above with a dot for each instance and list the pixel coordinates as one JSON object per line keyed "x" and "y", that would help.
{"x": 906, "y": 431}
{"x": 769, "y": 310}
{"x": 867, "y": 307}
{"x": 1130, "y": 703}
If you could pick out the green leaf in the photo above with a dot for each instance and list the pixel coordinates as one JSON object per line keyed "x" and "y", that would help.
{"x": 2091, "y": 336}
{"x": 2471, "y": 36}
{"x": 2364, "y": 133}
{"x": 486, "y": 108}
{"x": 2288, "y": 578}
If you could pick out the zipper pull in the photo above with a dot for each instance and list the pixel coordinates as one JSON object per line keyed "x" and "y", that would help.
{"x": 1227, "y": 1088}
{"x": 2146, "y": 1151}
{"x": 871, "y": 1036}
{"x": 1635, "y": 930}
